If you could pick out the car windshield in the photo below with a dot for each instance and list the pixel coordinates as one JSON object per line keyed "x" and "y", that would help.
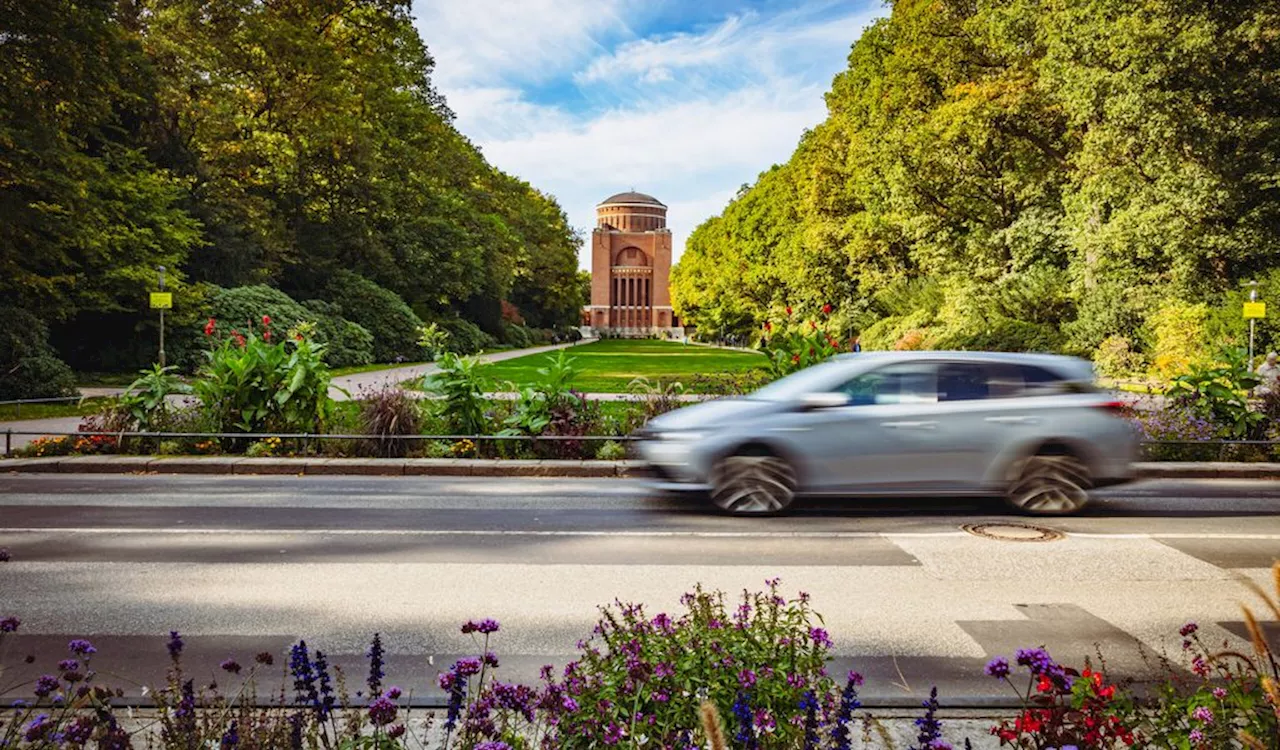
{"x": 809, "y": 380}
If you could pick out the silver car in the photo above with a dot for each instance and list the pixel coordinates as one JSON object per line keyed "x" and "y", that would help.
{"x": 1029, "y": 427}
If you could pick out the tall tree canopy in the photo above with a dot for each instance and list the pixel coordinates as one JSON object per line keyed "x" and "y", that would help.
{"x": 1019, "y": 174}
{"x": 241, "y": 142}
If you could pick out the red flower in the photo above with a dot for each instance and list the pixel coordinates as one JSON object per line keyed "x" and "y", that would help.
{"x": 788, "y": 309}
{"x": 795, "y": 359}
{"x": 266, "y": 320}
{"x": 768, "y": 326}
{"x": 239, "y": 338}
{"x": 297, "y": 336}
{"x": 826, "y": 309}
{"x": 266, "y": 335}
{"x": 208, "y": 327}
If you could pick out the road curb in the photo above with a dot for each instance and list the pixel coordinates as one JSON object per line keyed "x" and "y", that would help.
{"x": 237, "y": 465}
{"x": 477, "y": 467}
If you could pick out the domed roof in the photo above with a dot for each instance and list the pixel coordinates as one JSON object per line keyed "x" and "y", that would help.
{"x": 632, "y": 196}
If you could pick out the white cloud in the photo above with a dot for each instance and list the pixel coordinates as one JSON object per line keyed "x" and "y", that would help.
{"x": 687, "y": 117}
{"x": 493, "y": 41}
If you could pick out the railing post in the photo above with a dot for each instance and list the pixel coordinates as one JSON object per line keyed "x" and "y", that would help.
{"x": 8, "y": 442}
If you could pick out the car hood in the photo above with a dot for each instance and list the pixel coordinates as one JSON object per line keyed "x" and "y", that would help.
{"x": 711, "y": 414}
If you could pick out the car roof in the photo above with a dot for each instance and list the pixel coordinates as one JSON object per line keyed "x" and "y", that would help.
{"x": 1072, "y": 368}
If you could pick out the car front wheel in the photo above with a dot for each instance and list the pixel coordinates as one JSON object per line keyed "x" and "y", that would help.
{"x": 1050, "y": 486}
{"x": 753, "y": 485}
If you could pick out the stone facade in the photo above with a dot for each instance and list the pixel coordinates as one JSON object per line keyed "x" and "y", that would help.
{"x": 631, "y": 268}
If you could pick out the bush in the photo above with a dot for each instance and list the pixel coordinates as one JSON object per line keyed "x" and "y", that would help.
{"x": 1219, "y": 392}
{"x": 517, "y": 336}
{"x": 257, "y": 384}
{"x": 466, "y": 337}
{"x": 389, "y": 413}
{"x": 1115, "y": 358}
{"x": 29, "y": 367}
{"x": 346, "y": 344}
{"x": 1179, "y": 337}
{"x": 461, "y": 390}
{"x": 611, "y": 450}
{"x": 729, "y": 383}
{"x": 381, "y": 311}
{"x": 239, "y": 310}
{"x": 793, "y": 343}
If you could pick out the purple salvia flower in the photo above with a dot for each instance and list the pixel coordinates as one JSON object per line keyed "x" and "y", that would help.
{"x": 175, "y": 644}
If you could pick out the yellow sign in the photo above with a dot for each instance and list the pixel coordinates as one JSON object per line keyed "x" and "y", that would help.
{"x": 162, "y": 300}
{"x": 1255, "y": 309}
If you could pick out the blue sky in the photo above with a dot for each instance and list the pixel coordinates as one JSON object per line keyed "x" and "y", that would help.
{"x": 683, "y": 99}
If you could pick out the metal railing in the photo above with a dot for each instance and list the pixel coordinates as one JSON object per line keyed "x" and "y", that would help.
{"x": 303, "y": 439}
{"x": 308, "y": 438}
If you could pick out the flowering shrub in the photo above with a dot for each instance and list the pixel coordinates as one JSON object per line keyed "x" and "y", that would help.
{"x": 256, "y": 383}
{"x": 1218, "y": 392}
{"x": 1061, "y": 707}
{"x": 641, "y": 678}
{"x": 795, "y": 344}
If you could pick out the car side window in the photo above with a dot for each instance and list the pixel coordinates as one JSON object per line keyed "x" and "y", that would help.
{"x": 964, "y": 381}
{"x": 1037, "y": 381}
{"x": 905, "y": 383}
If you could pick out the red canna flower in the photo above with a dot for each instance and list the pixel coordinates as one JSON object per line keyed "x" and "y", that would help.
{"x": 297, "y": 337}
{"x": 208, "y": 327}
{"x": 266, "y": 335}
{"x": 795, "y": 359}
{"x": 266, "y": 320}
{"x": 768, "y": 326}
{"x": 239, "y": 338}
{"x": 788, "y": 309}
{"x": 826, "y": 309}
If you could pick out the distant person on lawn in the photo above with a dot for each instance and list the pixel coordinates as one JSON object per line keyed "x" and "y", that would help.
{"x": 857, "y": 344}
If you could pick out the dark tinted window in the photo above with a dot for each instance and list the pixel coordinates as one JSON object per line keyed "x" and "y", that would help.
{"x": 964, "y": 381}
{"x": 1037, "y": 381}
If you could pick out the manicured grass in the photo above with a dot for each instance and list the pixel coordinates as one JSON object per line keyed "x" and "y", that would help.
{"x": 52, "y": 410}
{"x": 610, "y": 366}
{"x": 340, "y": 371}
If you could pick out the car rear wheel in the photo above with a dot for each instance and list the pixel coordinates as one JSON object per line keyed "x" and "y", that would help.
{"x": 1050, "y": 486}
{"x": 753, "y": 485}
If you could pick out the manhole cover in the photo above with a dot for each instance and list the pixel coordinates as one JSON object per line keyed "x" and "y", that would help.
{"x": 1013, "y": 532}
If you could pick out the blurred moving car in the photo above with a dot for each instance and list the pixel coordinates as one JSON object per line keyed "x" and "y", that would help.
{"x": 1030, "y": 427}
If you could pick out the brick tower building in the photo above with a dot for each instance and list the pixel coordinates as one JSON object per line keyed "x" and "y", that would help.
{"x": 631, "y": 267}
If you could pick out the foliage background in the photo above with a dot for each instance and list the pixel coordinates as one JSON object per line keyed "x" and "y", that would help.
{"x": 1021, "y": 174}
{"x": 298, "y": 145}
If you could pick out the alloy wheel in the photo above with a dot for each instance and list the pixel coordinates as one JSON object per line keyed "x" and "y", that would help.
{"x": 753, "y": 485}
{"x": 1050, "y": 486}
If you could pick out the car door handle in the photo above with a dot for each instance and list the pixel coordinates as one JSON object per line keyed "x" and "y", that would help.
{"x": 909, "y": 425}
{"x": 1014, "y": 420}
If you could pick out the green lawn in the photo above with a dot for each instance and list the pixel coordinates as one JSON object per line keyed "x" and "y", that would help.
{"x": 50, "y": 410}
{"x": 609, "y": 366}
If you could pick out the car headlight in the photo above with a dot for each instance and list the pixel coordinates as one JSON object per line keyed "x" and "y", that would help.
{"x": 683, "y": 436}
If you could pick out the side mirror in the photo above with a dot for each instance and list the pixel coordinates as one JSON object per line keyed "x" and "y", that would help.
{"x": 823, "y": 401}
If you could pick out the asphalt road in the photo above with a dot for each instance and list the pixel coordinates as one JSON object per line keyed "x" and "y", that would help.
{"x": 241, "y": 565}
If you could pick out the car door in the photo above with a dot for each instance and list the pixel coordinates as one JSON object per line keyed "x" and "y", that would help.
{"x": 878, "y": 440}
{"x": 972, "y": 419}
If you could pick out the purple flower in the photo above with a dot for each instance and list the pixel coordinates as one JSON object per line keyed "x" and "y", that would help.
{"x": 79, "y": 731}
{"x": 467, "y": 667}
{"x": 376, "y": 672}
{"x": 1196, "y": 736}
{"x": 747, "y": 678}
{"x": 394, "y": 693}
{"x": 1035, "y": 659}
{"x": 485, "y": 626}
{"x": 614, "y": 733}
{"x": 46, "y": 684}
{"x": 382, "y": 711}
{"x": 231, "y": 738}
{"x": 493, "y": 745}
{"x": 1188, "y": 629}
{"x": 9, "y": 624}
{"x": 820, "y": 637}
{"x": 772, "y": 582}
{"x": 81, "y": 647}
{"x": 396, "y": 731}
{"x": 997, "y": 668}
{"x": 68, "y": 665}
{"x": 37, "y": 728}
{"x": 230, "y": 665}
{"x": 1199, "y": 666}
{"x": 175, "y": 644}
{"x": 4, "y": 554}
{"x": 1220, "y": 693}
{"x": 265, "y": 658}
{"x": 1203, "y": 713}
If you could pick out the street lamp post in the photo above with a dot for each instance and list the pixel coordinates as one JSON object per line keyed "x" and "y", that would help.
{"x": 161, "y": 270}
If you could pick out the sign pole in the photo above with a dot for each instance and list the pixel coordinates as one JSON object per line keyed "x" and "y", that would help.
{"x": 161, "y": 270}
